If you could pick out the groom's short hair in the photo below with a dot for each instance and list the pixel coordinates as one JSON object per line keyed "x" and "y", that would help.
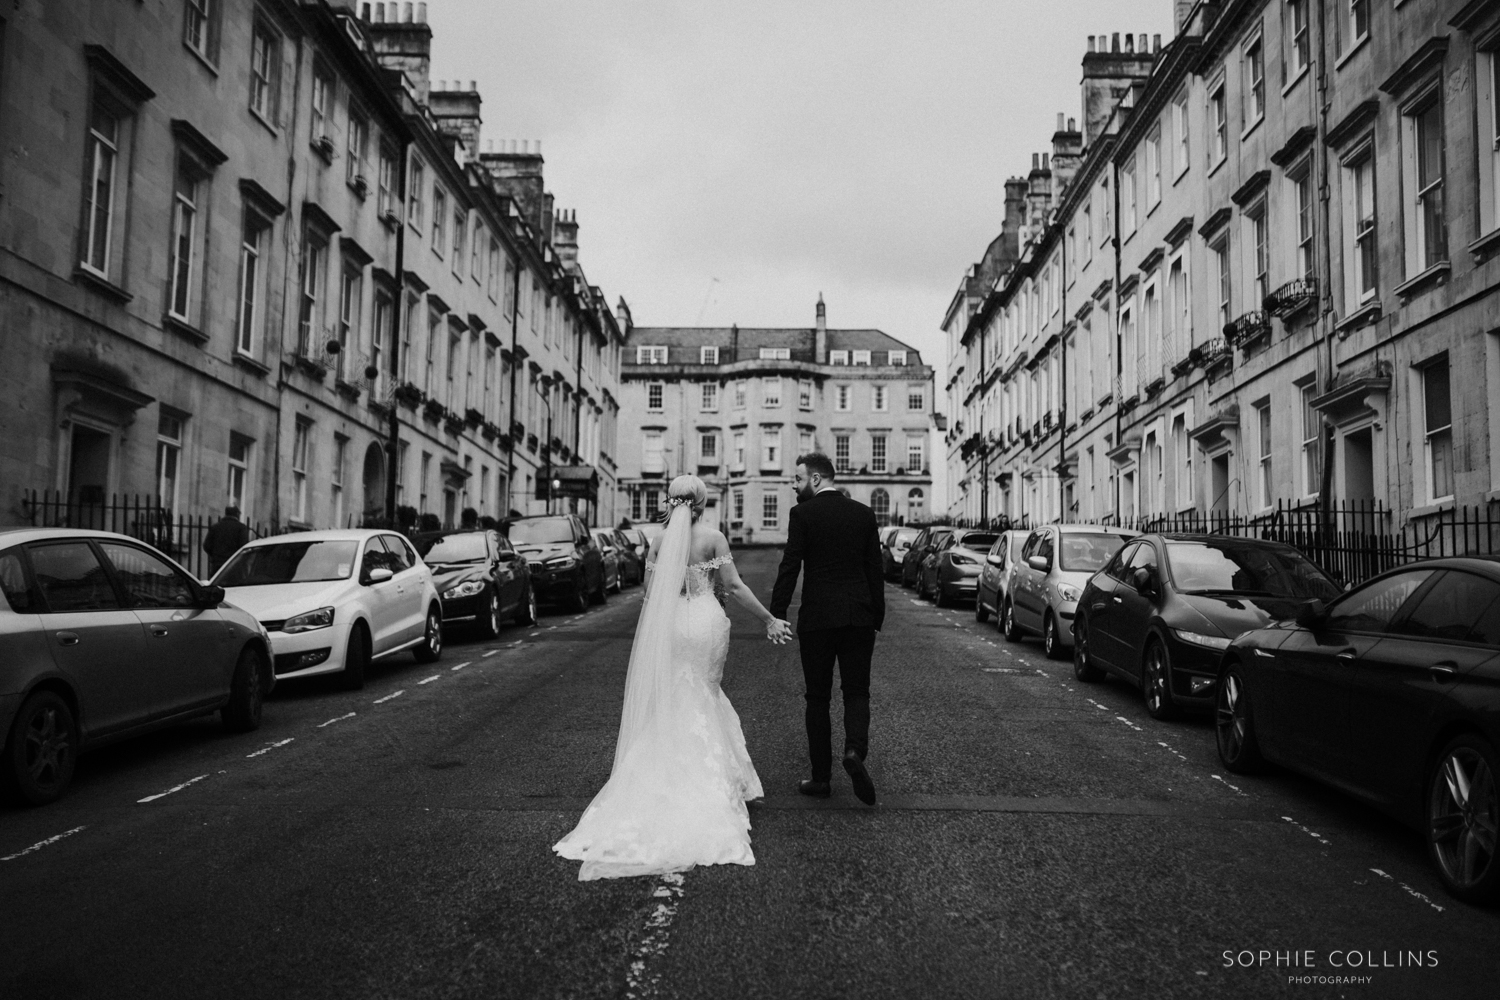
{"x": 817, "y": 463}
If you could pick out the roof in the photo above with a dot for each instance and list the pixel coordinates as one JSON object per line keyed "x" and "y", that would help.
{"x": 325, "y": 535}
{"x": 801, "y": 341}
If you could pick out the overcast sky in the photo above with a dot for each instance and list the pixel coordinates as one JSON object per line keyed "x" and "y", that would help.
{"x": 729, "y": 161}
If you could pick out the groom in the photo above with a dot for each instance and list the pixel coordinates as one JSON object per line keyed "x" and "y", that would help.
{"x": 833, "y": 541}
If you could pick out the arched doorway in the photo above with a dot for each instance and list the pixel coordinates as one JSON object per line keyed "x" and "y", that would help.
{"x": 916, "y": 506}
{"x": 880, "y": 503}
{"x": 374, "y": 481}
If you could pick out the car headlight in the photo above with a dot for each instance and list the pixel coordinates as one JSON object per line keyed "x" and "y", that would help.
{"x": 959, "y": 559}
{"x": 1200, "y": 639}
{"x": 468, "y": 589}
{"x": 560, "y": 562}
{"x": 1068, "y": 592}
{"x": 313, "y": 620}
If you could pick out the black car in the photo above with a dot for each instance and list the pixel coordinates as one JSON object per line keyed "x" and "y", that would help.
{"x": 1160, "y": 613}
{"x": 1391, "y": 693}
{"x": 921, "y": 546}
{"x": 480, "y": 578}
{"x": 567, "y": 568}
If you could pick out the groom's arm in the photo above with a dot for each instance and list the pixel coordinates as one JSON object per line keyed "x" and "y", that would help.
{"x": 791, "y": 565}
{"x": 875, "y": 576}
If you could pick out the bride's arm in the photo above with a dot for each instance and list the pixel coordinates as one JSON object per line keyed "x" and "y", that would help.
{"x": 740, "y": 591}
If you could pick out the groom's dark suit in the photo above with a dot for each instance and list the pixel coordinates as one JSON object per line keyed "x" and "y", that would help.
{"x": 833, "y": 541}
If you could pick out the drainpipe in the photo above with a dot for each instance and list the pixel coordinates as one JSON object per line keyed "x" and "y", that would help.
{"x": 1114, "y": 183}
{"x": 1325, "y": 265}
{"x": 291, "y": 242}
{"x": 1062, "y": 396}
{"x": 515, "y": 364}
{"x": 393, "y": 442}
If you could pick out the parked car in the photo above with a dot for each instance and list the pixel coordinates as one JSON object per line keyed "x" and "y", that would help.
{"x": 335, "y": 601}
{"x": 1166, "y": 606}
{"x": 1392, "y": 693}
{"x": 103, "y": 637}
{"x": 1056, "y": 561}
{"x": 632, "y": 564}
{"x": 893, "y": 549}
{"x": 480, "y": 578}
{"x": 636, "y": 538}
{"x": 609, "y": 553}
{"x": 567, "y": 568}
{"x": 995, "y": 576}
{"x": 950, "y": 571}
{"x": 927, "y": 540}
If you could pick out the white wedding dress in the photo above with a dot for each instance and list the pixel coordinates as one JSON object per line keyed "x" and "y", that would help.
{"x": 676, "y": 796}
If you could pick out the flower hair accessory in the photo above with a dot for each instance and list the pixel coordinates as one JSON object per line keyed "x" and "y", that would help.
{"x": 679, "y": 501}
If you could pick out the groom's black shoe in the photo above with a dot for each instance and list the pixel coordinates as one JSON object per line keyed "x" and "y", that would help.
{"x": 817, "y": 789}
{"x": 864, "y": 788}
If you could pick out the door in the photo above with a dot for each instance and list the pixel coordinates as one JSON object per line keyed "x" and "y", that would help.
{"x": 382, "y": 598}
{"x": 1022, "y": 584}
{"x": 1104, "y": 609}
{"x": 1312, "y": 672}
{"x": 411, "y": 615}
{"x": 1133, "y": 610}
{"x": 1396, "y": 688}
{"x": 187, "y": 645}
{"x": 98, "y": 644}
{"x": 507, "y": 575}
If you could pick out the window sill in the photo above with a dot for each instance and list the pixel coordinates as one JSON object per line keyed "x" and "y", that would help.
{"x": 248, "y": 363}
{"x": 270, "y": 127}
{"x": 1180, "y": 175}
{"x": 101, "y": 284}
{"x": 202, "y": 58}
{"x": 1486, "y": 244}
{"x": 1493, "y": 496}
{"x": 1287, "y": 88}
{"x": 1363, "y": 40}
{"x": 323, "y": 146}
{"x": 1215, "y": 166}
{"x": 1427, "y": 510}
{"x": 1252, "y": 126}
{"x": 181, "y": 326}
{"x": 1436, "y": 274}
{"x": 361, "y": 191}
{"x": 1364, "y": 314}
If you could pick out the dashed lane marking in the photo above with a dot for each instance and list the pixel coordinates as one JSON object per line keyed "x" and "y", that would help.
{"x": 461, "y": 665}
{"x": 43, "y": 843}
{"x": 429, "y": 680}
{"x": 1377, "y": 871}
{"x": 1132, "y": 725}
{"x": 171, "y": 791}
{"x": 269, "y": 747}
{"x": 490, "y": 652}
{"x": 639, "y": 984}
{"x": 1170, "y": 749}
{"x": 1226, "y": 784}
{"x": 340, "y": 718}
{"x": 533, "y": 635}
{"x": 396, "y": 694}
{"x": 1316, "y": 836}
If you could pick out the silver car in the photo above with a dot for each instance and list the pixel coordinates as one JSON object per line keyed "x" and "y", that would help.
{"x": 103, "y": 637}
{"x": 1056, "y": 561}
{"x": 999, "y": 570}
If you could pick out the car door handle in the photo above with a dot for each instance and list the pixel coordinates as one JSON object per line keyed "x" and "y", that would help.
{"x": 1445, "y": 670}
{"x": 1346, "y": 654}
{"x": 1118, "y": 599}
{"x": 160, "y": 631}
{"x": 67, "y": 638}
{"x": 1097, "y": 606}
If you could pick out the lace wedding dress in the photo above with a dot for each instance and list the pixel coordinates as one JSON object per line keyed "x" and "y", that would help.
{"x": 676, "y": 797}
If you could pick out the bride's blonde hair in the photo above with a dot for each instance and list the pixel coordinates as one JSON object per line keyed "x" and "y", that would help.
{"x": 690, "y": 490}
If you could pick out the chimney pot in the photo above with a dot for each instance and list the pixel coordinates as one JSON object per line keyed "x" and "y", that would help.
{"x": 1143, "y": 46}
{"x": 1129, "y": 44}
{"x": 421, "y": 13}
{"x": 1072, "y": 124}
{"x": 1091, "y": 43}
{"x": 1044, "y": 161}
{"x": 1059, "y": 122}
{"x": 1114, "y": 42}
{"x": 1036, "y": 161}
{"x": 473, "y": 87}
{"x": 1155, "y": 43}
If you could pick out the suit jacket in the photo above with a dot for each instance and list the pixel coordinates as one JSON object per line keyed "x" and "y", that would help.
{"x": 834, "y": 542}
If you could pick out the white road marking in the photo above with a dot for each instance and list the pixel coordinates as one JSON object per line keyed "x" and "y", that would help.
{"x": 1132, "y": 725}
{"x": 171, "y": 791}
{"x": 1096, "y": 704}
{"x": 388, "y": 697}
{"x": 1377, "y": 871}
{"x": 534, "y": 635}
{"x": 341, "y": 718}
{"x": 1171, "y": 750}
{"x": 638, "y": 985}
{"x": 269, "y": 747}
{"x": 429, "y": 680}
{"x": 461, "y": 665}
{"x": 490, "y": 652}
{"x": 42, "y": 843}
{"x": 1227, "y": 784}
{"x": 1316, "y": 836}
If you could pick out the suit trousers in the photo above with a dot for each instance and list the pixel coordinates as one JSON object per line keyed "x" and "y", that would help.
{"x": 851, "y": 648}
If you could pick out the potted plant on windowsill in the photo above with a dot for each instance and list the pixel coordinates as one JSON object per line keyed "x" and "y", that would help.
{"x": 323, "y": 146}
{"x": 434, "y": 410}
{"x": 409, "y": 395}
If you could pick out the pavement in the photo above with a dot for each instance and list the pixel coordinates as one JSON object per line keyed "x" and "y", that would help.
{"x": 1036, "y": 837}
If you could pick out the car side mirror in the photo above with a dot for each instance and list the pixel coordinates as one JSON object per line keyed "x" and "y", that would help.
{"x": 1039, "y": 563}
{"x": 992, "y": 559}
{"x": 380, "y": 574}
{"x": 1312, "y": 614}
{"x": 211, "y": 596}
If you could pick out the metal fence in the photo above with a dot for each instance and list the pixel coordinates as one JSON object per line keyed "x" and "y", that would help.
{"x": 141, "y": 517}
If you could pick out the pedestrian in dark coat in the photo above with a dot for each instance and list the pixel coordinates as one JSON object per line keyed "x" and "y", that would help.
{"x": 224, "y": 539}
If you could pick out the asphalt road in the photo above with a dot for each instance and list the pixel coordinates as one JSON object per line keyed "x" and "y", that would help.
{"x": 1036, "y": 838}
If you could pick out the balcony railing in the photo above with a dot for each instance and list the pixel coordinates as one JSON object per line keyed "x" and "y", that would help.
{"x": 1247, "y": 329}
{"x": 1291, "y": 297}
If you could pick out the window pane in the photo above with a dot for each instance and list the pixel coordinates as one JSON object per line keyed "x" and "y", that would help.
{"x": 1435, "y": 396}
{"x": 1371, "y": 608}
{"x": 71, "y": 578}
{"x": 1452, "y": 608}
{"x": 148, "y": 581}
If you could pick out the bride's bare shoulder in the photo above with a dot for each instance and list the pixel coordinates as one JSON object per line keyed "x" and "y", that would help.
{"x": 708, "y": 542}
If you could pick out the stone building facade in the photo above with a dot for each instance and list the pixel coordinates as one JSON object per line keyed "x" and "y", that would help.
{"x": 245, "y": 245}
{"x": 1263, "y": 273}
{"x": 738, "y": 405}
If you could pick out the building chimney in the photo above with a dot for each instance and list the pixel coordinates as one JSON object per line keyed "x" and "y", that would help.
{"x": 820, "y": 342}
{"x": 456, "y": 111}
{"x": 623, "y": 318}
{"x": 403, "y": 43}
{"x": 1067, "y": 154}
{"x": 1181, "y": 9}
{"x": 565, "y": 237}
{"x": 517, "y": 172}
{"x": 1107, "y": 79}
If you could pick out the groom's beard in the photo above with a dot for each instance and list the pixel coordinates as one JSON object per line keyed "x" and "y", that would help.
{"x": 804, "y": 494}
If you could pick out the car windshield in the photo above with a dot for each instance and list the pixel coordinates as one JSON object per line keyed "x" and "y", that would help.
{"x": 1088, "y": 552}
{"x": 1230, "y": 567}
{"x": 904, "y": 537}
{"x": 540, "y": 531}
{"x": 289, "y": 562}
{"x": 465, "y": 548}
{"x": 980, "y": 541}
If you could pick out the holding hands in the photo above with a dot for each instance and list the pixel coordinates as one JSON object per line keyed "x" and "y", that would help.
{"x": 779, "y": 631}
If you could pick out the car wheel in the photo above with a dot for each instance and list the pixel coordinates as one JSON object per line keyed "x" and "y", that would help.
{"x": 1463, "y": 817}
{"x": 981, "y": 613}
{"x": 1083, "y": 667}
{"x": 527, "y": 613}
{"x": 431, "y": 647}
{"x": 600, "y": 595}
{"x": 1008, "y": 623}
{"x": 489, "y": 624}
{"x": 42, "y": 749}
{"x": 241, "y": 714}
{"x": 580, "y": 599}
{"x": 356, "y": 658}
{"x": 1051, "y": 641}
{"x": 940, "y": 596}
{"x": 1156, "y": 681}
{"x": 1234, "y": 726}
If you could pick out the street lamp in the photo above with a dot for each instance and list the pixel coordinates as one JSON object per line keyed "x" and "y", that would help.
{"x": 541, "y": 385}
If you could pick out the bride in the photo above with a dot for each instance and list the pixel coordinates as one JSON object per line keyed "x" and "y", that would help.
{"x": 676, "y": 796}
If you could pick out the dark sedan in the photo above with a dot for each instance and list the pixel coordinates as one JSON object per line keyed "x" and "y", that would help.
{"x": 950, "y": 572}
{"x": 927, "y": 541}
{"x": 1165, "y": 607}
{"x": 632, "y": 565}
{"x": 1391, "y": 693}
{"x": 480, "y": 579}
{"x": 567, "y": 568}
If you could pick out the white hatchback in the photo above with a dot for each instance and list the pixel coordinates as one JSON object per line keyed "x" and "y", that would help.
{"x": 333, "y": 601}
